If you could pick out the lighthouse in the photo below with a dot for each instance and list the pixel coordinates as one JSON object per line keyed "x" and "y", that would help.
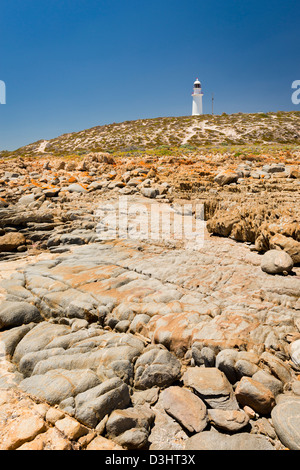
{"x": 197, "y": 98}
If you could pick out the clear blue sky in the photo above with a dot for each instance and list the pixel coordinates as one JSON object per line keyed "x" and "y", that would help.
{"x": 73, "y": 64}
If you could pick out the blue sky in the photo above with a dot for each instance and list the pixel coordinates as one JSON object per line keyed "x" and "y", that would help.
{"x": 69, "y": 65}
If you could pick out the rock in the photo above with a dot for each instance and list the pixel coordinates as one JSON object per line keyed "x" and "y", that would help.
{"x": 269, "y": 381}
{"x": 95, "y": 403}
{"x": 148, "y": 396}
{"x": 156, "y": 367}
{"x": 213, "y": 440}
{"x": 295, "y": 353}
{"x": 52, "y": 439}
{"x": 22, "y": 429}
{"x": 150, "y": 192}
{"x": 122, "y": 420}
{"x": 228, "y": 420}
{"x": 184, "y": 406}
{"x": 251, "y": 393}
{"x": 279, "y": 368}
{"x": 101, "y": 443}
{"x": 286, "y": 418}
{"x": 29, "y": 361}
{"x": 9, "y": 339}
{"x": 134, "y": 438}
{"x": 57, "y": 385}
{"x": 38, "y": 338}
{"x": 287, "y": 244}
{"x": 226, "y": 177}
{"x": 166, "y": 434}
{"x": 3, "y": 203}
{"x": 204, "y": 356}
{"x": 14, "y": 314}
{"x": 225, "y": 361}
{"x": 130, "y": 428}
{"x": 53, "y": 415}
{"x": 71, "y": 428}
{"x": 222, "y": 224}
{"x": 76, "y": 188}
{"x": 276, "y": 262}
{"x": 11, "y": 241}
{"x": 212, "y": 386}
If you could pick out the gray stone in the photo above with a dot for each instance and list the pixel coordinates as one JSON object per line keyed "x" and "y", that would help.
{"x": 10, "y": 338}
{"x": 156, "y": 367}
{"x": 29, "y": 361}
{"x": 134, "y": 438}
{"x": 14, "y": 314}
{"x": 122, "y": 420}
{"x": 150, "y": 192}
{"x": 57, "y": 385}
{"x": 38, "y": 338}
{"x": 278, "y": 367}
{"x": 225, "y": 361}
{"x": 94, "y": 404}
{"x": 166, "y": 434}
{"x": 269, "y": 381}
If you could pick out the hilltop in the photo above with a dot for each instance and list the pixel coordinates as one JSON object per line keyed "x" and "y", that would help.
{"x": 186, "y": 132}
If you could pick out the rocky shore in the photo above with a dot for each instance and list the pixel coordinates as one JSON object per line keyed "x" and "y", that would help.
{"x": 139, "y": 342}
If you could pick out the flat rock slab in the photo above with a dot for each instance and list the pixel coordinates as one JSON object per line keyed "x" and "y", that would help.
{"x": 213, "y": 440}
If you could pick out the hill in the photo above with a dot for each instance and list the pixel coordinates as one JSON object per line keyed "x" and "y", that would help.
{"x": 189, "y": 132}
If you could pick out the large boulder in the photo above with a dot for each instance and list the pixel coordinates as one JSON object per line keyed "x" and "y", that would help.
{"x": 226, "y": 177}
{"x": 212, "y": 386}
{"x": 184, "y": 406}
{"x": 276, "y": 262}
{"x": 286, "y": 419}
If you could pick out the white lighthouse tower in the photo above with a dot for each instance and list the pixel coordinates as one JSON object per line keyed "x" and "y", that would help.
{"x": 197, "y": 98}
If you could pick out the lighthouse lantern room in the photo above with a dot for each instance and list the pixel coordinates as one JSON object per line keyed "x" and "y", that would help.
{"x": 197, "y": 98}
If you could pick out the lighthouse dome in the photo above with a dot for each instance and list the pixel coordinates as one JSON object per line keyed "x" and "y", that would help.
{"x": 196, "y": 82}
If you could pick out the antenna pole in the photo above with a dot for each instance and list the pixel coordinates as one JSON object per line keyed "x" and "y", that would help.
{"x": 212, "y": 104}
